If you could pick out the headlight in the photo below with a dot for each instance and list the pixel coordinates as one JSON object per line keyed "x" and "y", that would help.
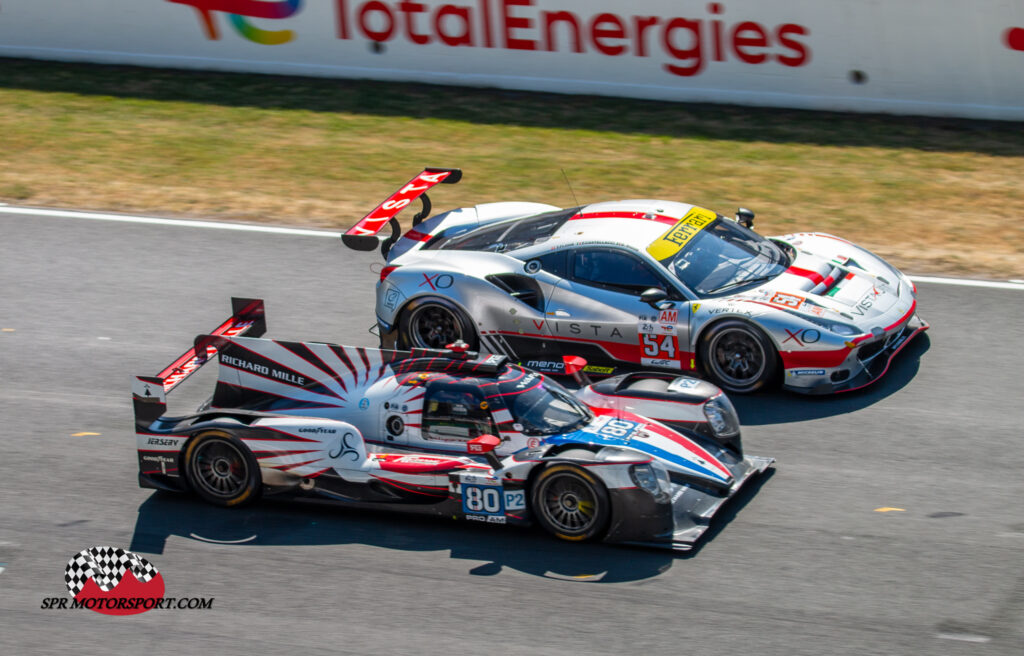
{"x": 644, "y": 477}
{"x": 722, "y": 416}
{"x": 651, "y": 477}
{"x": 843, "y": 329}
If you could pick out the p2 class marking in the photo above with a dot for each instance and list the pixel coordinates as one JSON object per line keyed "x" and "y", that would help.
{"x": 515, "y": 499}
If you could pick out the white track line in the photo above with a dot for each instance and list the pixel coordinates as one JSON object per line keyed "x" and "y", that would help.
{"x": 964, "y": 637}
{"x": 964, "y": 282}
{"x": 211, "y": 540}
{"x": 184, "y": 223}
{"x": 245, "y": 227}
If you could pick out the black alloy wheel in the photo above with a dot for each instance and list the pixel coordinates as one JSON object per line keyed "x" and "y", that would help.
{"x": 222, "y": 470}
{"x": 570, "y": 503}
{"x": 738, "y": 357}
{"x": 435, "y": 324}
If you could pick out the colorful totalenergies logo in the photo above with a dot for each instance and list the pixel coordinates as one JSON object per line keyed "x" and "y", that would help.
{"x": 239, "y": 11}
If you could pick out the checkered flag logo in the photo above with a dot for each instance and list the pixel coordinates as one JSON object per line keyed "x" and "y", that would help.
{"x": 106, "y": 566}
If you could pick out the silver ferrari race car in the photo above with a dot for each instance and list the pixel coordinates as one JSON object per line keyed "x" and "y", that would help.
{"x": 638, "y": 283}
{"x": 444, "y": 432}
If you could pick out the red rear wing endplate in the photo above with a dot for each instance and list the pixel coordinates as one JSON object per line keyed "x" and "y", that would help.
{"x": 363, "y": 236}
{"x": 247, "y": 318}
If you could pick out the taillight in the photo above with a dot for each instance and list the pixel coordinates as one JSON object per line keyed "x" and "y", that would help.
{"x": 386, "y": 271}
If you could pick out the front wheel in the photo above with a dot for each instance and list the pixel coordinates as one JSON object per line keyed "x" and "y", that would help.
{"x": 738, "y": 357}
{"x": 570, "y": 503}
{"x": 222, "y": 470}
{"x": 435, "y": 323}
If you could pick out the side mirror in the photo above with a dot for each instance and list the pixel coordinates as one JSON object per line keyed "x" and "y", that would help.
{"x": 655, "y": 297}
{"x": 745, "y": 218}
{"x": 574, "y": 366}
{"x": 485, "y": 445}
{"x": 458, "y": 348}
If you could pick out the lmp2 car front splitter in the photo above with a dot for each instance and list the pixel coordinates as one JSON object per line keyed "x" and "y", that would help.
{"x": 684, "y": 516}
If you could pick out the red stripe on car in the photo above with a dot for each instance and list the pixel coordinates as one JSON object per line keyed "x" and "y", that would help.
{"x": 646, "y": 216}
{"x": 668, "y": 433}
{"x": 910, "y": 313}
{"x": 816, "y": 359}
{"x": 416, "y": 235}
{"x": 618, "y": 350}
{"x": 813, "y": 276}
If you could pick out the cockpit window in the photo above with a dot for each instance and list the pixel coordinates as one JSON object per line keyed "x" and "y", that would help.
{"x": 554, "y": 263}
{"x": 613, "y": 270}
{"x": 456, "y": 414}
{"x": 505, "y": 236}
{"x": 542, "y": 406}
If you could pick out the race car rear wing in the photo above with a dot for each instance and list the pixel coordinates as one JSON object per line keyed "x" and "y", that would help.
{"x": 363, "y": 236}
{"x": 149, "y": 393}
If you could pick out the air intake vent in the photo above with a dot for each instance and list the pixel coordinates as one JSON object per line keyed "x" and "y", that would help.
{"x": 869, "y": 351}
{"x": 830, "y": 282}
{"x": 522, "y": 288}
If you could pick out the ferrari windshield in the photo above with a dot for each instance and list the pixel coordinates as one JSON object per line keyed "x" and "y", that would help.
{"x": 542, "y": 406}
{"x": 721, "y": 257}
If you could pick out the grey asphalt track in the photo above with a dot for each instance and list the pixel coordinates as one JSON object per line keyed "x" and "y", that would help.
{"x": 804, "y": 563}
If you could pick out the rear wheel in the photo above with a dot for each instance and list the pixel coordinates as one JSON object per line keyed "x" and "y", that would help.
{"x": 435, "y": 323}
{"x": 570, "y": 503}
{"x": 738, "y": 357}
{"x": 222, "y": 470}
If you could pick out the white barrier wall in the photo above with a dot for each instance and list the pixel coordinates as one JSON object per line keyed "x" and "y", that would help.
{"x": 933, "y": 57}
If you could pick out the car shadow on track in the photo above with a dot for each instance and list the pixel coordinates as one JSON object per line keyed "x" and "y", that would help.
{"x": 729, "y": 512}
{"x": 292, "y": 523}
{"x": 779, "y": 407}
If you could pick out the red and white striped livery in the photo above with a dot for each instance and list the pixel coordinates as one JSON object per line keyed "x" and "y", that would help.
{"x": 446, "y": 432}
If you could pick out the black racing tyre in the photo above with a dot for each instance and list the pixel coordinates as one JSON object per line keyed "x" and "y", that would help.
{"x": 434, "y": 323}
{"x": 222, "y": 470}
{"x": 570, "y": 503}
{"x": 738, "y": 357}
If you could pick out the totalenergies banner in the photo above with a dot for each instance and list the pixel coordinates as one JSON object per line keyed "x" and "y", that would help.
{"x": 933, "y": 57}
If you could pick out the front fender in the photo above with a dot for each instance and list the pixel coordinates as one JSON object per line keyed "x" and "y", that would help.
{"x": 798, "y": 341}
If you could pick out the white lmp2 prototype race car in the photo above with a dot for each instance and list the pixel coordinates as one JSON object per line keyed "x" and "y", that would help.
{"x": 638, "y": 283}
{"x": 444, "y": 432}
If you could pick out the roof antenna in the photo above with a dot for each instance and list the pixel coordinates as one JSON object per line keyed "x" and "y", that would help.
{"x": 571, "y": 191}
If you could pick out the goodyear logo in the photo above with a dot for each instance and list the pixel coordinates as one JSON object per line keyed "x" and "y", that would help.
{"x": 681, "y": 233}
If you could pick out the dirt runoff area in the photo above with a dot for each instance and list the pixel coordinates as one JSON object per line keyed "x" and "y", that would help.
{"x": 932, "y": 196}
